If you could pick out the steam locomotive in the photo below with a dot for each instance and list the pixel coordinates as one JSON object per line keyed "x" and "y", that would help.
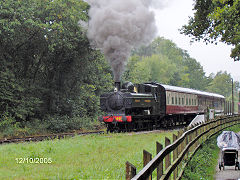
{"x": 152, "y": 105}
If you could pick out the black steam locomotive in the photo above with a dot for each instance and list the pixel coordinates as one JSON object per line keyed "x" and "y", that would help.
{"x": 150, "y": 106}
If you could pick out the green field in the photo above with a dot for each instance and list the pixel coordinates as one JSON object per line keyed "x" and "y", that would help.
{"x": 81, "y": 157}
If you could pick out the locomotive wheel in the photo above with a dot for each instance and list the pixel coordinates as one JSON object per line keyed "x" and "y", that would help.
{"x": 110, "y": 128}
{"x": 149, "y": 127}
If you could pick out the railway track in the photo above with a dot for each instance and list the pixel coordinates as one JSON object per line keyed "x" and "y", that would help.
{"x": 38, "y": 138}
{"x": 45, "y": 137}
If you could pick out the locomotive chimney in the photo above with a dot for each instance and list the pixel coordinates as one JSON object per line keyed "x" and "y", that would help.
{"x": 117, "y": 86}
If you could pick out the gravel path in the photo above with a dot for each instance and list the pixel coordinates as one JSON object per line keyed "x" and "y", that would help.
{"x": 229, "y": 173}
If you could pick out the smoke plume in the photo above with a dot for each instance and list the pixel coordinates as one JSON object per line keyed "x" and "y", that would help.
{"x": 118, "y": 26}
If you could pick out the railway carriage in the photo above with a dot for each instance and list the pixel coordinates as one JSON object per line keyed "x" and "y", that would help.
{"x": 189, "y": 101}
{"x": 153, "y": 105}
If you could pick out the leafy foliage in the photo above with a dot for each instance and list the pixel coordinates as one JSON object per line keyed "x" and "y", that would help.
{"x": 217, "y": 19}
{"x": 221, "y": 83}
{"x": 203, "y": 164}
{"x": 164, "y": 62}
{"x": 47, "y": 65}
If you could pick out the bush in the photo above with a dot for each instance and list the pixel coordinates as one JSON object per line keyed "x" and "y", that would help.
{"x": 65, "y": 123}
{"x": 6, "y": 121}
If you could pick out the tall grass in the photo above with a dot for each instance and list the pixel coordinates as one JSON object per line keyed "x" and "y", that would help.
{"x": 84, "y": 157}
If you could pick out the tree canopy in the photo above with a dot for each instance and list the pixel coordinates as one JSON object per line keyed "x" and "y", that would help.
{"x": 216, "y": 20}
{"x": 47, "y": 65}
{"x": 164, "y": 62}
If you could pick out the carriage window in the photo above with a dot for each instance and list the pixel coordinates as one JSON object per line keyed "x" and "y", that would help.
{"x": 168, "y": 100}
{"x": 172, "y": 100}
{"x": 195, "y": 101}
{"x": 192, "y": 102}
{"x": 176, "y": 100}
{"x": 186, "y": 101}
{"x": 179, "y": 101}
{"x": 182, "y": 101}
{"x": 189, "y": 101}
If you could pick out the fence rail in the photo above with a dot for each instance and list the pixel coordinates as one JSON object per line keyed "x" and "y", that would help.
{"x": 184, "y": 146}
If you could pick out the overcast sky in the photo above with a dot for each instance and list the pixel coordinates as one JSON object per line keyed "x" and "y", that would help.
{"x": 213, "y": 58}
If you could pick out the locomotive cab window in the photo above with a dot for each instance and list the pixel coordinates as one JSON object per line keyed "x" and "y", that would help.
{"x": 147, "y": 89}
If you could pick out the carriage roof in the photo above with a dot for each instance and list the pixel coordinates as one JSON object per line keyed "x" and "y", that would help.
{"x": 191, "y": 91}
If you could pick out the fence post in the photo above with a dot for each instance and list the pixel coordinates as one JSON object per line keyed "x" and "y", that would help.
{"x": 175, "y": 155}
{"x": 168, "y": 157}
{"x": 221, "y": 124}
{"x": 179, "y": 150}
{"x": 130, "y": 171}
{"x": 160, "y": 167}
{"x": 185, "y": 144}
{"x": 202, "y": 130}
{"x": 189, "y": 140}
{"x": 196, "y": 143}
{"x": 179, "y": 146}
{"x": 147, "y": 157}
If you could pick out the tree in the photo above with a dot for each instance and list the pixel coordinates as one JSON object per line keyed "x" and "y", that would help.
{"x": 170, "y": 64}
{"x": 214, "y": 20}
{"x": 197, "y": 77}
{"x": 221, "y": 84}
{"x": 137, "y": 71}
{"x": 47, "y": 65}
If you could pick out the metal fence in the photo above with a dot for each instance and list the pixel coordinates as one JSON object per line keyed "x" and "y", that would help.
{"x": 171, "y": 160}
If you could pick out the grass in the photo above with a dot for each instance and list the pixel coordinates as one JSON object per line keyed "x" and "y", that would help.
{"x": 82, "y": 157}
{"x": 203, "y": 164}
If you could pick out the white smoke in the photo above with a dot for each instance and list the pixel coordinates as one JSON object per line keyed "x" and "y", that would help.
{"x": 118, "y": 26}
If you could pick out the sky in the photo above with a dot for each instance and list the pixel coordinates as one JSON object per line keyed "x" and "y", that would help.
{"x": 212, "y": 57}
